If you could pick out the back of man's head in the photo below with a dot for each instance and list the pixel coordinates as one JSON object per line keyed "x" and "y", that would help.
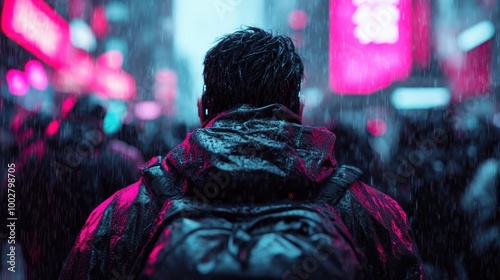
{"x": 251, "y": 66}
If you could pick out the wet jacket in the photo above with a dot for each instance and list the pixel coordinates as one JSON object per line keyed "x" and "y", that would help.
{"x": 259, "y": 149}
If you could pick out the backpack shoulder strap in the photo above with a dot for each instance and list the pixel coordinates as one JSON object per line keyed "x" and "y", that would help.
{"x": 338, "y": 184}
{"x": 163, "y": 185}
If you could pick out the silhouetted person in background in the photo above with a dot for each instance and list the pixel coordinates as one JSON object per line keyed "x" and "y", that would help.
{"x": 63, "y": 173}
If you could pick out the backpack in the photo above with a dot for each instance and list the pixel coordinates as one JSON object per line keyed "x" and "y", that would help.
{"x": 288, "y": 240}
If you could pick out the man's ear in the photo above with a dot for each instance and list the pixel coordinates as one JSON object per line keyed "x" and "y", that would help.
{"x": 200, "y": 110}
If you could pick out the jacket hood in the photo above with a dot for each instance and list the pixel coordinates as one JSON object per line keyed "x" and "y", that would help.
{"x": 256, "y": 153}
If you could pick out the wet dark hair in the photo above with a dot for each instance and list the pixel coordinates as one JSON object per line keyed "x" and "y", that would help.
{"x": 251, "y": 66}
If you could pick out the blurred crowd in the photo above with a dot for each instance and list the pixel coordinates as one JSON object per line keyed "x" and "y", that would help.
{"x": 444, "y": 171}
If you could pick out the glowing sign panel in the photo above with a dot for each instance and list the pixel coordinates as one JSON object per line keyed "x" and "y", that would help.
{"x": 39, "y": 29}
{"x": 36, "y": 27}
{"x": 370, "y": 44}
{"x": 376, "y": 21}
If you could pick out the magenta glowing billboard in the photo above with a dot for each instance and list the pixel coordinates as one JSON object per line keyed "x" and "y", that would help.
{"x": 370, "y": 44}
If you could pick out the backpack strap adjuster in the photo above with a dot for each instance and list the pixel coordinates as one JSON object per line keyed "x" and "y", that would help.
{"x": 338, "y": 183}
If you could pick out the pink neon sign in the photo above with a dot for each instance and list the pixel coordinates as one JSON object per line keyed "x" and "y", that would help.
{"x": 370, "y": 44}
{"x": 39, "y": 29}
{"x": 422, "y": 33}
{"x": 470, "y": 77}
{"x": 36, "y": 27}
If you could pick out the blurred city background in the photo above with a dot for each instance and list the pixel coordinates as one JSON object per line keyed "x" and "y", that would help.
{"x": 409, "y": 87}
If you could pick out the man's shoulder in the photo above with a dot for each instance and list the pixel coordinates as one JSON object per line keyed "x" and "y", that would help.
{"x": 121, "y": 223}
{"x": 380, "y": 228}
{"x": 155, "y": 186}
{"x": 134, "y": 193}
{"x": 376, "y": 202}
{"x": 119, "y": 203}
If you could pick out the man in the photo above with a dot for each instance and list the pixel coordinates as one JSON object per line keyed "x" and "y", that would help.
{"x": 251, "y": 148}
